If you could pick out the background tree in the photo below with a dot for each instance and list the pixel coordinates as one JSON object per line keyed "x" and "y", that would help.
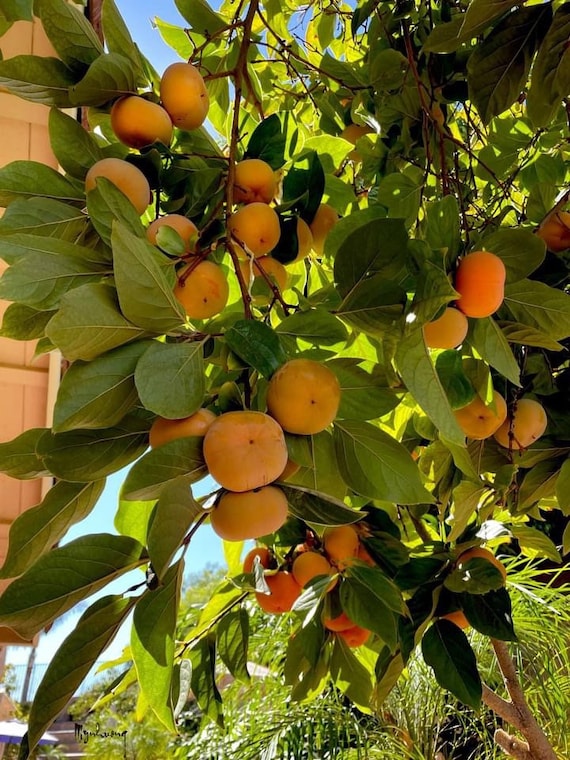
{"x": 431, "y": 320}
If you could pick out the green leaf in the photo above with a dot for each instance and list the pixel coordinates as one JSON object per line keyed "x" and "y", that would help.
{"x": 563, "y": 487}
{"x": 21, "y": 246}
{"x": 106, "y": 204}
{"x": 466, "y": 498}
{"x": 364, "y": 394}
{"x": 520, "y": 250}
{"x": 304, "y": 187}
{"x": 257, "y": 344}
{"x": 85, "y": 455}
{"x": 418, "y": 372}
{"x": 350, "y": 675}
{"x": 476, "y": 576}
{"x": 38, "y": 529}
{"x": 38, "y": 79}
{"x": 145, "y": 282}
{"x": 433, "y": 288}
{"x": 319, "y": 508}
{"x": 400, "y": 195}
{"x": 65, "y": 576}
{"x": 232, "y": 640}
{"x": 551, "y": 71}
{"x": 528, "y": 336}
{"x": 203, "y": 658}
{"x": 539, "y": 483}
{"x": 442, "y": 227}
{"x": 267, "y": 141}
{"x": 148, "y": 477}
{"x": 364, "y": 605}
{"x": 498, "y": 68}
{"x": 99, "y": 393}
{"x": 70, "y": 665}
{"x": 445, "y": 648}
{"x": 200, "y": 16}
{"x": 316, "y": 326}
{"x": 132, "y": 518}
{"x": 322, "y": 475}
{"x": 74, "y": 147}
{"x": 374, "y": 305}
{"x": 374, "y": 464}
{"x": 118, "y": 38}
{"x": 89, "y": 323}
{"x": 388, "y": 69}
{"x": 70, "y": 32}
{"x": 490, "y": 614}
{"x": 170, "y": 379}
{"x": 19, "y": 457}
{"x": 172, "y": 517}
{"x": 534, "y": 542}
{"x": 21, "y": 322}
{"x": 488, "y": 340}
{"x": 17, "y": 10}
{"x": 109, "y": 76}
{"x": 456, "y": 384}
{"x": 26, "y": 179}
{"x": 538, "y": 305}
{"x": 152, "y": 642}
{"x": 43, "y": 216}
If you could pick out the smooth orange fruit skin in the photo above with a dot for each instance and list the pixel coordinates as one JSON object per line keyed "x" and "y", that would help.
{"x": 308, "y": 565}
{"x": 340, "y": 623}
{"x": 183, "y": 226}
{"x": 254, "y": 182}
{"x": 256, "y": 226}
{"x": 448, "y": 331}
{"x": 478, "y": 552}
{"x": 245, "y": 450}
{"x": 555, "y": 231}
{"x": 272, "y": 268}
{"x": 264, "y": 555}
{"x": 528, "y": 424}
{"x": 284, "y": 592}
{"x": 249, "y": 514}
{"x": 138, "y": 122}
{"x": 304, "y": 239}
{"x": 126, "y": 177}
{"x": 184, "y": 95}
{"x": 204, "y": 293}
{"x": 355, "y": 636}
{"x": 457, "y": 617}
{"x": 480, "y": 282}
{"x": 163, "y": 430}
{"x": 303, "y": 396}
{"x": 341, "y": 545}
{"x": 479, "y": 421}
{"x": 323, "y": 222}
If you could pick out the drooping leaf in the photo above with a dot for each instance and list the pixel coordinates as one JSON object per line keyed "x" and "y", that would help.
{"x": 536, "y": 304}
{"x": 21, "y": 180}
{"x": 268, "y": 142}
{"x": 203, "y": 658}
{"x": 350, "y": 676}
{"x": 19, "y": 457}
{"x": 43, "y": 216}
{"x": 364, "y": 394}
{"x": 490, "y": 613}
{"x": 456, "y": 384}
{"x": 316, "y": 326}
{"x": 488, "y": 340}
{"x": 521, "y": 251}
{"x": 534, "y": 542}
{"x": 22, "y": 322}
{"x": 106, "y": 204}
{"x": 108, "y": 77}
{"x": 232, "y": 640}
{"x": 132, "y": 518}
{"x": 118, "y": 38}
{"x": 563, "y": 487}
{"x": 551, "y": 71}
{"x": 70, "y": 32}
{"x": 200, "y": 16}
{"x": 319, "y": 508}
{"x": 75, "y": 149}
{"x": 257, "y": 344}
{"x": 320, "y": 473}
{"x": 38, "y": 79}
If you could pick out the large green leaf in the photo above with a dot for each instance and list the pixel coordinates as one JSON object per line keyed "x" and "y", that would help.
{"x": 118, "y": 38}
{"x": 132, "y": 518}
{"x": 400, "y": 194}
{"x": 433, "y": 287}
{"x": 374, "y": 305}
{"x": 366, "y": 608}
{"x": 38, "y": 79}
{"x": 43, "y": 216}
{"x": 321, "y": 474}
{"x": 85, "y": 455}
{"x": 38, "y": 529}
{"x": 145, "y": 281}
{"x": 563, "y": 487}
{"x": 99, "y": 393}
{"x": 520, "y": 250}
{"x": 374, "y": 464}
{"x": 497, "y": 70}
{"x": 26, "y": 179}
{"x": 106, "y": 204}
{"x": 317, "y": 326}
{"x": 19, "y": 457}
{"x": 109, "y": 76}
{"x": 200, "y": 16}
{"x": 203, "y": 658}
{"x": 257, "y": 344}
{"x": 364, "y": 394}
{"x": 148, "y": 477}
{"x": 65, "y": 576}
{"x": 319, "y": 508}
{"x": 446, "y": 649}
{"x": 232, "y": 636}
{"x": 70, "y": 32}
{"x": 74, "y": 659}
{"x": 170, "y": 378}
{"x": 442, "y": 226}
{"x": 89, "y": 323}
{"x": 171, "y": 519}
{"x": 17, "y": 10}
{"x": 22, "y": 246}
{"x": 538, "y": 305}
{"x": 74, "y": 147}
{"x": 551, "y": 71}
{"x": 488, "y": 340}
{"x": 350, "y": 676}
{"x": 22, "y": 322}
{"x": 152, "y": 642}
{"x": 418, "y": 372}
{"x": 490, "y": 613}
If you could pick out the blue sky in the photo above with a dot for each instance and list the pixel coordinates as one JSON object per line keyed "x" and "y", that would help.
{"x": 206, "y": 547}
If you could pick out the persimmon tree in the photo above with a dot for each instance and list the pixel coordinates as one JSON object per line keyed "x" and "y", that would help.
{"x": 413, "y": 162}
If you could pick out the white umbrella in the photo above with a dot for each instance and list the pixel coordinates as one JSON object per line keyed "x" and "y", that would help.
{"x": 12, "y": 732}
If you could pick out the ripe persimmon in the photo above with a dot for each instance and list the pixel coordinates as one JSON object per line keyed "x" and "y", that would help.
{"x": 309, "y": 565}
{"x": 245, "y": 450}
{"x": 339, "y": 623}
{"x": 265, "y": 558}
{"x": 184, "y": 95}
{"x": 479, "y": 421}
{"x": 480, "y": 282}
{"x": 254, "y": 182}
{"x": 284, "y": 592}
{"x": 323, "y": 222}
{"x": 478, "y": 552}
{"x": 555, "y": 231}
{"x": 341, "y": 545}
{"x": 163, "y": 430}
{"x": 304, "y": 240}
{"x": 526, "y": 425}
{"x": 183, "y": 226}
{"x": 204, "y": 292}
{"x": 447, "y": 331}
{"x": 303, "y": 396}
{"x": 126, "y": 177}
{"x": 355, "y": 636}
{"x": 138, "y": 122}
{"x": 257, "y": 227}
{"x": 249, "y": 514}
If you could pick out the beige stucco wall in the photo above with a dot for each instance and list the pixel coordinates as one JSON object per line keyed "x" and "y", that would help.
{"x": 24, "y": 381}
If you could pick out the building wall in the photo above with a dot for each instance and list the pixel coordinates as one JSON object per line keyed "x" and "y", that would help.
{"x": 24, "y": 380}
